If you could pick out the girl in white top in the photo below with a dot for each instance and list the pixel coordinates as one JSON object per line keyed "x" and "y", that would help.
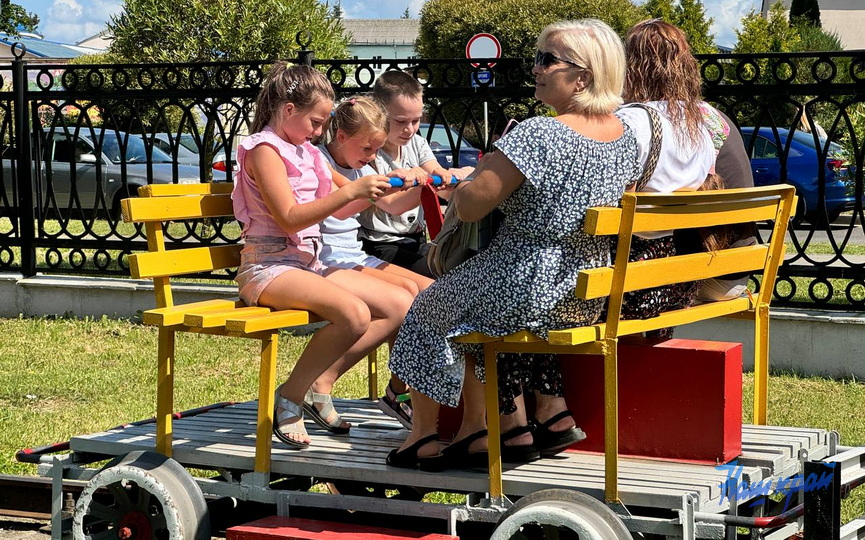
{"x": 357, "y": 132}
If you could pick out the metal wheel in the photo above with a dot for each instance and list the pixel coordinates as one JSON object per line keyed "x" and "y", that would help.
{"x": 560, "y": 514}
{"x": 141, "y": 496}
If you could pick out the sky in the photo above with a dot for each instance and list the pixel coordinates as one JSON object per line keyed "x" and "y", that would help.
{"x": 70, "y": 21}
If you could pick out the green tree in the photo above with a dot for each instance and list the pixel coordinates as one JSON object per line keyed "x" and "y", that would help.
{"x": 336, "y": 12}
{"x": 447, "y": 25}
{"x": 171, "y": 31}
{"x": 770, "y": 34}
{"x": 805, "y": 11}
{"x": 661, "y": 9}
{"x": 406, "y": 14}
{"x": 815, "y": 38}
{"x": 14, "y": 19}
{"x": 691, "y": 18}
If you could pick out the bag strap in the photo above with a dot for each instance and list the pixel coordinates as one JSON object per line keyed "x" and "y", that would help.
{"x": 654, "y": 145}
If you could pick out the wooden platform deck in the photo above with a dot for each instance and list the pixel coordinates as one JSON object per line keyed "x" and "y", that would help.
{"x": 225, "y": 438}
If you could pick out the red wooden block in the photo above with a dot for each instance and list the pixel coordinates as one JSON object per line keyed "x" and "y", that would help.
{"x": 282, "y": 528}
{"x": 678, "y": 399}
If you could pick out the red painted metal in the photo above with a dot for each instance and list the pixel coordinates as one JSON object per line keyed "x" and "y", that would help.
{"x": 678, "y": 399}
{"x": 281, "y": 528}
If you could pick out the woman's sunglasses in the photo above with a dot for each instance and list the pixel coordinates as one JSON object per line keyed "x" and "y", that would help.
{"x": 544, "y": 59}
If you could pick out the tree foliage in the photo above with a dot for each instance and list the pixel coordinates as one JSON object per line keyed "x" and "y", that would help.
{"x": 690, "y": 16}
{"x": 805, "y": 11}
{"x": 14, "y": 19}
{"x": 195, "y": 31}
{"x": 447, "y": 25}
{"x": 775, "y": 34}
{"x": 770, "y": 34}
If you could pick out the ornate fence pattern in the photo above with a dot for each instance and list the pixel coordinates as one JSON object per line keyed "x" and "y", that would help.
{"x": 78, "y": 138}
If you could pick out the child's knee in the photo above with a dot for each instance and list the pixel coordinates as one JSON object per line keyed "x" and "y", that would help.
{"x": 401, "y": 303}
{"x": 411, "y": 287}
{"x": 355, "y": 317}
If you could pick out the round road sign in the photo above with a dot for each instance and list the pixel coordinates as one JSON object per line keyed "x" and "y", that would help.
{"x": 483, "y": 46}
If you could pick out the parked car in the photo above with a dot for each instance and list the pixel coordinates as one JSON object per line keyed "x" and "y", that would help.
{"x": 71, "y": 168}
{"x": 188, "y": 152}
{"x": 803, "y": 164}
{"x": 442, "y": 146}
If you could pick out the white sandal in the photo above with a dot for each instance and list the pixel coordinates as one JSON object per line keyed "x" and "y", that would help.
{"x": 287, "y": 410}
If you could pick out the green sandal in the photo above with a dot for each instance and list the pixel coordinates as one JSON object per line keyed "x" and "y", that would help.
{"x": 320, "y": 416}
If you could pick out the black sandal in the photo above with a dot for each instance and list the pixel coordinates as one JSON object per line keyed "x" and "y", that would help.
{"x": 521, "y": 453}
{"x": 397, "y": 406}
{"x": 550, "y": 442}
{"x": 408, "y": 458}
{"x": 457, "y": 455}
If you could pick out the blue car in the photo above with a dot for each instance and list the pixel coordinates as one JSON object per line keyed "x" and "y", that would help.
{"x": 803, "y": 166}
{"x": 442, "y": 146}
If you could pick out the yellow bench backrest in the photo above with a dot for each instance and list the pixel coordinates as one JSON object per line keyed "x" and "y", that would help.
{"x": 647, "y": 212}
{"x": 159, "y": 204}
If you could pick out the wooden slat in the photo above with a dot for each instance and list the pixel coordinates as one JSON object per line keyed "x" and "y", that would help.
{"x": 171, "y": 190}
{"x": 170, "y": 316}
{"x": 247, "y": 324}
{"x": 605, "y": 221}
{"x": 759, "y": 201}
{"x": 212, "y": 319}
{"x": 577, "y": 336}
{"x": 144, "y": 209}
{"x": 523, "y": 336}
{"x": 225, "y": 438}
{"x": 178, "y": 262}
{"x": 597, "y": 282}
{"x": 476, "y": 337}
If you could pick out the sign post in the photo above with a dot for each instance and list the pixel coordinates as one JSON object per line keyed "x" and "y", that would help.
{"x": 483, "y": 45}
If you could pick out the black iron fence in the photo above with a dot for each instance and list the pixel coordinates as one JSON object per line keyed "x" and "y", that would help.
{"x": 76, "y": 139}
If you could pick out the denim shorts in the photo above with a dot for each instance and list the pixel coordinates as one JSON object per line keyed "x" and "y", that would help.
{"x": 348, "y": 257}
{"x": 264, "y": 258}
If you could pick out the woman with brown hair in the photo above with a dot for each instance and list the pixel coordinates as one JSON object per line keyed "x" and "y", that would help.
{"x": 678, "y": 137}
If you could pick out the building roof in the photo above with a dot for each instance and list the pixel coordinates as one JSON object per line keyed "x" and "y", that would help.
{"x": 41, "y": 48}
{"x": 381, "y": 31}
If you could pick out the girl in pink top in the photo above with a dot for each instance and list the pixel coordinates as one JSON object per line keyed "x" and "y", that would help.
{"x": 283, "y": 189}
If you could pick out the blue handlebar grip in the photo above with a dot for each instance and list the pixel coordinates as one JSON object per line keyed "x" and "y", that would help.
{"x": 437, "y": 180}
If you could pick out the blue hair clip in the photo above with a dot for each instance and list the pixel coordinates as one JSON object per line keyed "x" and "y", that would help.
{"x": 333, "y": 113}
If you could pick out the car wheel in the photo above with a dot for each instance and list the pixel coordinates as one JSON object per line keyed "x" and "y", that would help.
{"x": 801, "y": 215}
{"x": 116, "y": 211}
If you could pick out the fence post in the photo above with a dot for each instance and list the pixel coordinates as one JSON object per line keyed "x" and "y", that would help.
{"x": 304, "y": 56}
{"x": 22, "y": 133}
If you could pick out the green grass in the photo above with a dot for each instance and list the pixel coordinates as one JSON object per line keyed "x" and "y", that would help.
{"x": 65, "y": 377}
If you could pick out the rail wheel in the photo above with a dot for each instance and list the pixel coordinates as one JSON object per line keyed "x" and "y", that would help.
{"x": 560, "y": 514}
{"x": 141, "y": 496}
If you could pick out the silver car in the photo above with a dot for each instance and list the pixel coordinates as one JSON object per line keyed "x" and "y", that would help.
{"x": 81, "y": 170}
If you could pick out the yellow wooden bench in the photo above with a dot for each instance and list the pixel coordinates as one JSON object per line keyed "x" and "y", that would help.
{"x": 157, "y": 206}
{"x": 644, "y": 213}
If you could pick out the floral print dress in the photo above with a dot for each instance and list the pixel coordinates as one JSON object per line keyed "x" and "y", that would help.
{"x": 525, "y": 279}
